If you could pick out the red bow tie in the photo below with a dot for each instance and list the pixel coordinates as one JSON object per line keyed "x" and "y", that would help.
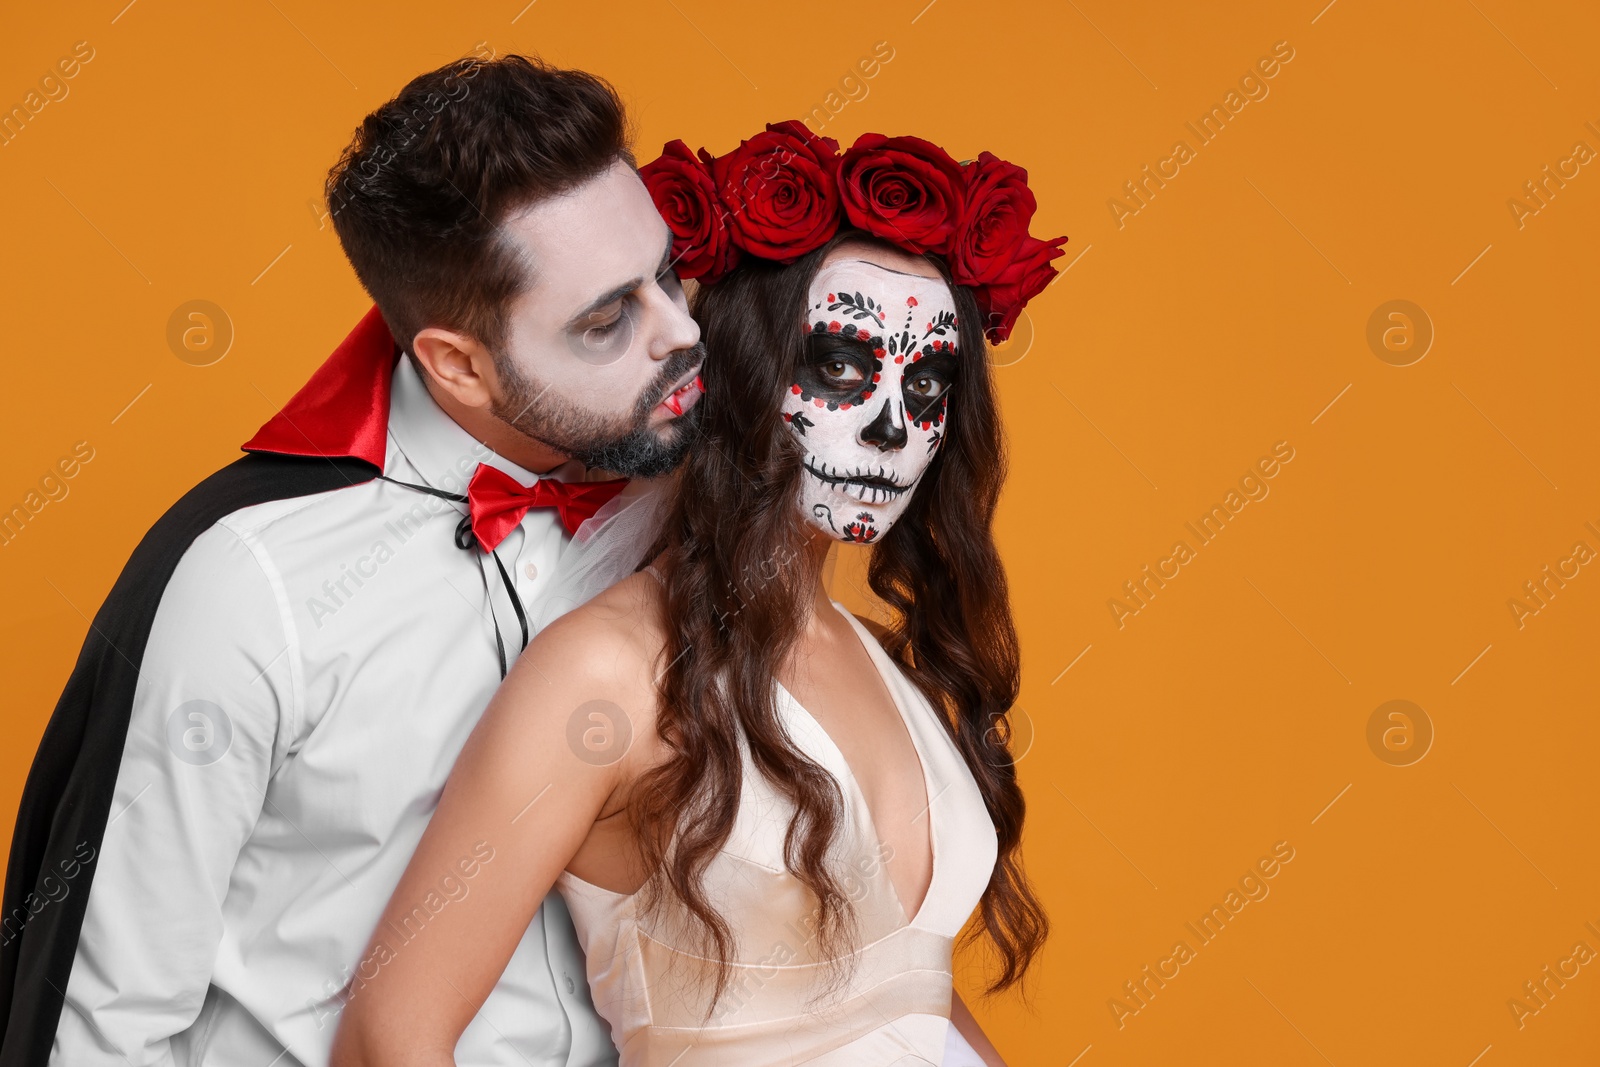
{"x": 498, "y": 502}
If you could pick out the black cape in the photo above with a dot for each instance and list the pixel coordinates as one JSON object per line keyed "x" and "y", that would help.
{"x": 67, "y": 799}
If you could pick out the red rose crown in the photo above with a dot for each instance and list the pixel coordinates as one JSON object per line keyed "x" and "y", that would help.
{"x": 786, "y": 191}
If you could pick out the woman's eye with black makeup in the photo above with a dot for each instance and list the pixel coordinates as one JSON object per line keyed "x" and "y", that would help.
{"x": 926, "y": 386}
{"x": 836, "y": 365}
{"x": 840, "y": 371}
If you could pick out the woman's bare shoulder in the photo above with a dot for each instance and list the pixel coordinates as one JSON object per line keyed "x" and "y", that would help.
{"x": 606, "y": 650}
{"x": 622, "y": 625}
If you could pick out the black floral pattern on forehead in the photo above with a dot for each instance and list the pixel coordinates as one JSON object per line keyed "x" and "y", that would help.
{"x": 856, "y": 306}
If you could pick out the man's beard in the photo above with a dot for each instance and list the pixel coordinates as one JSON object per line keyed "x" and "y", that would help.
{"x": 624, "y": 444}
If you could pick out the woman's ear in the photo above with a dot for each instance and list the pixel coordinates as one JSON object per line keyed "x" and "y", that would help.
{"x": 458, "y": 364}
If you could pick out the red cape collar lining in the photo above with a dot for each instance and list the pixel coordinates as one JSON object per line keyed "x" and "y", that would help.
{"x": 344, "y": 409}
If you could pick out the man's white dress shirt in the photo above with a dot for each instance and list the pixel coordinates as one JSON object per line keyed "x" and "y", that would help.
{"x": 314, "y": 668}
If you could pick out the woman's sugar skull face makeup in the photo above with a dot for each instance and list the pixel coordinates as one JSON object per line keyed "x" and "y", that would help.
{"x": 871, "y": 393}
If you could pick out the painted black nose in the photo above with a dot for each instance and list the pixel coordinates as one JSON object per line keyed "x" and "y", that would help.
{"x": 887, "y": 431}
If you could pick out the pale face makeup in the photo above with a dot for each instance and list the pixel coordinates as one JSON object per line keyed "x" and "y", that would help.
{"x": 871, "y": 394}
{"x": 602, "y": 358}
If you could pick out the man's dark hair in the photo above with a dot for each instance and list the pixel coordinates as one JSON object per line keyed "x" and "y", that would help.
{"x": 419, "y": 195}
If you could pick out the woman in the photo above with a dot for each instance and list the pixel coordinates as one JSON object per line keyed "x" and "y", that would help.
{"x": 770, "y": 821}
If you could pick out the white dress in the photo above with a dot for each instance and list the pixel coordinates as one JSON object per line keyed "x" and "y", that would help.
{"x": 892, "y": 1006}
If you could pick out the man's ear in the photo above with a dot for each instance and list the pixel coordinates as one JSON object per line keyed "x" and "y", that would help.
{"x": 457, "y": 363}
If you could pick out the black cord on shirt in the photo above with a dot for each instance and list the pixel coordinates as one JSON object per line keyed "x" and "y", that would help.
{"x": 465, "y": 538}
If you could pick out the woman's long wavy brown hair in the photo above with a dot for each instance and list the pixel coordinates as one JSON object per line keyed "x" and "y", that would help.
{"x": 735, "y": 570}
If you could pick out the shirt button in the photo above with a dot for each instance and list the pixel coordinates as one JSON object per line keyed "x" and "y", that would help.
{"x": 530, "y": 570}
{"x": 572, "y": 987}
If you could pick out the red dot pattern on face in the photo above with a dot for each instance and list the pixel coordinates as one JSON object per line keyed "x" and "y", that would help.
{"x": 795, "y": 389}
{"x": 832, "y": 429}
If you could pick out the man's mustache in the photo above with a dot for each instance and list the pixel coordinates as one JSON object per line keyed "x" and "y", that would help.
{"x": 675, "y": 366}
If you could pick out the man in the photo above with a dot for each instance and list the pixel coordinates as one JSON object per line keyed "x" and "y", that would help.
{"x": 268, "y": 703}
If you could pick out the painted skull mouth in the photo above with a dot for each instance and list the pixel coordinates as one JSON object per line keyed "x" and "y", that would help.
{"x": 867, "y": 486}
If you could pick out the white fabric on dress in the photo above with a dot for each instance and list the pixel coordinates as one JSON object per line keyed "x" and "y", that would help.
{"x": 893, "y": 1006}
{"x": 958, "y": 1053}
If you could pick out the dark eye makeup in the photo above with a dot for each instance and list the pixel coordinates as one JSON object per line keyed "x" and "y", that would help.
{"x": 836, "y": 367}
{"x": 840, "y": 369}
{"x": 926, "y": 382}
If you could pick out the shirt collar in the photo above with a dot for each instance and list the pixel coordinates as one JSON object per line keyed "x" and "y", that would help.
{"x": 443, "y": 453}
{"x": 368, "y": 402}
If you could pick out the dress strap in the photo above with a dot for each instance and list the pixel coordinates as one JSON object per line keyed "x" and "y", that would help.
{"x": 650, "y": 568}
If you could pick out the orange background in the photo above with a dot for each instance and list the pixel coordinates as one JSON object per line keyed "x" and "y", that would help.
{"x": 1229, "y": 313}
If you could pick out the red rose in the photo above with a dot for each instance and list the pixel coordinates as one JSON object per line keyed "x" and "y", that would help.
{"x": 781, "y": 192}
{"x": 686, "y": 196}
{"x": 902, "y": 189}
{"x": 994, "y": 220}
{"x": 1018, "y": 281}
